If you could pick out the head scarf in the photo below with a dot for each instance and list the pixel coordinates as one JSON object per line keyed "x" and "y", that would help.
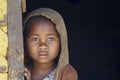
{"x": 57, "y": 19}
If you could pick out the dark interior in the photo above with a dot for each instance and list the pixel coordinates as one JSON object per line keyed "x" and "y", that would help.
{"x": 94, "y": 35}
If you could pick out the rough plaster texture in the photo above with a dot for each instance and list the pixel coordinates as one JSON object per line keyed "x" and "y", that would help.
{"x": 3, "y": 40}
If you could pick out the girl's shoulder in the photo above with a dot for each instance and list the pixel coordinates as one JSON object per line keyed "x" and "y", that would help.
{"x": 69, "y": 73}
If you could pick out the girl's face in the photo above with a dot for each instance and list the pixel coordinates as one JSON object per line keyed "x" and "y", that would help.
{"x": 43, "y": 42}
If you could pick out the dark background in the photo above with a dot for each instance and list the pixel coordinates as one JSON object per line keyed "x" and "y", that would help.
{"x": 94, "y": 35}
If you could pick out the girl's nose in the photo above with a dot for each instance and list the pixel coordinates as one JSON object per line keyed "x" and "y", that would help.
{"x": 43, "y": 46}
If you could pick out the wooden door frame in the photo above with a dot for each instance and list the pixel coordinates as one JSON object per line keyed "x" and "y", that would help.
{"x": 15, "y": 40}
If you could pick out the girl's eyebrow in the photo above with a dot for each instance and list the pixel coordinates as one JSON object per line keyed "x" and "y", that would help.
{"x": 34, "y": 34}
{"x": 49, "y": 34}
{"x": 52, "y": 34}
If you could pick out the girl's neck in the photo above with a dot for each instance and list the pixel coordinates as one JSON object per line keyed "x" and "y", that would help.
{"x": 40, "y": 71}
{"x": 43, "y": 67}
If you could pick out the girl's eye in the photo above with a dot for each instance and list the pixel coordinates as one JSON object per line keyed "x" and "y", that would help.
{"x": 51, "y": 39}
{"x": 35, "y": 39}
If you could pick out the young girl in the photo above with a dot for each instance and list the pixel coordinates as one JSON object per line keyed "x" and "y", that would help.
{"x": 46, "y": 47}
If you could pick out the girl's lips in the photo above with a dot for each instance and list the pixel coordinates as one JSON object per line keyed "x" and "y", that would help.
{"x": 43, "y": 54}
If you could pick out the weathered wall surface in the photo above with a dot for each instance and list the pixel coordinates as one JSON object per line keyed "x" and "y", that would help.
{"x": 3, "y": 40}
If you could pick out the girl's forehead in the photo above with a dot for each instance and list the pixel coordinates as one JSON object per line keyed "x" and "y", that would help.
{"x": 39, "y": 21}
{"x": 42, "y": 26}
{"x": 42, "y": 30}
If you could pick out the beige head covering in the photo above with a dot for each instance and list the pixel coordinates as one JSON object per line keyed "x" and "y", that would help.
{"x": 57, "y": 19}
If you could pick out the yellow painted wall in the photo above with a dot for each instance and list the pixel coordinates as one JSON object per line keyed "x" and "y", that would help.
{"x": 3, "y": 40}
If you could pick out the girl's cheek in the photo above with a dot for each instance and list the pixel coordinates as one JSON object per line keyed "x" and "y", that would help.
{"x": 53, "y": 44}
{"x": 50, "y": 44}
{"x": 32, "y": 43}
